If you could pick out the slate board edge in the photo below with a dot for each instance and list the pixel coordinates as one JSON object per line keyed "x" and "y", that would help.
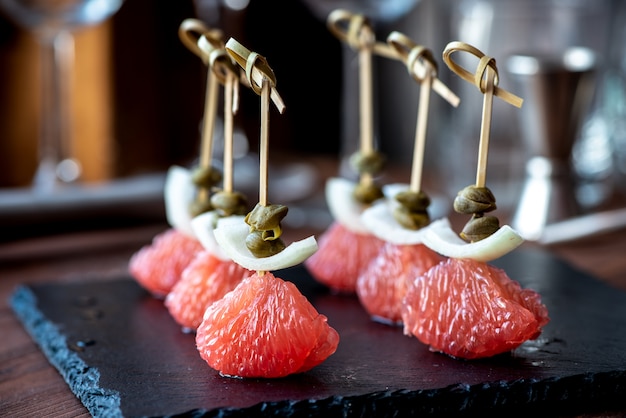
{"x": 605, "y": 390}
{"x": 82, "y": 379}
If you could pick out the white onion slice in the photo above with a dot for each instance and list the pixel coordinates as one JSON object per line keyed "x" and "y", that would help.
{"x": 344, "y": 208}
{"x": 179, "y": 192}
{"x": 440, "y": 237}
{"x": 381, "y": 223}
{"x": 204, "y": 225}
{"x": 231, "y": 236}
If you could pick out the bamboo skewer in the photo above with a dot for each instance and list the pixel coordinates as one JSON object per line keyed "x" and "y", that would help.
{"x": 420, "y": 134}
{"x": 365, "y": 85}
{"x": 485, "y": 129}
{"x": 422, "y": 67}
{"x": 256, "y": 69}
{"x": 202, "y": 41}
{"x": 208, "y": 119}
{"x": 226, "y": 72}
{"x": 230, "y": 108}
{"x": 261, "y": 79}
{"x": 486, "y": 80}
{"x": 360, "y": 36}
{"x": 366, "y": 102}
{"x": 342, "y": 24}
{"x": 264, "y": 144}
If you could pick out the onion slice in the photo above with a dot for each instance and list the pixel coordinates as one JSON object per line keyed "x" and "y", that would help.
{"x": 231, "y": 236}
{"x": 204, "y": 225}
{"x": 440, "y": 237}
{"x": 380, "y": 222}
{"x": 179, "y": 192}
{"x": 344, "y": 208}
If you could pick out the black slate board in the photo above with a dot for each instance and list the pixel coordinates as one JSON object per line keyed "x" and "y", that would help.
{"x": 123, "y": 355}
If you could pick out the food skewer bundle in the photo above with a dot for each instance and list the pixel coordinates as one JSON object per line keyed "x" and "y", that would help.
{"x": 158, "y": 267}
{"x": 347, "y": 246}
{"x": 465, "y": 307}
{"x": 211, "y": 274}
{"x": 401, "y": 219}
{"x": 264, "y": 327}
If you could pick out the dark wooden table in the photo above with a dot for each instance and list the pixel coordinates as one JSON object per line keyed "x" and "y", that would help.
{"x": 30, "y": 386}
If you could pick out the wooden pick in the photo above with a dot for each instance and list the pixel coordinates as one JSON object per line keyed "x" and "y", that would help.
{"x": 190, "y": 31}
{"x": 414, "y": 56}
{"x": 356, "y": 31}
{"x": 347, "y": 26}
{"x": 257, "y": 70}
{"x": 422, "y": 66}
{"x": 227, "y": 72}
{"x": 476, "y": 78}
{"x": 203, "y": 41}
{"x": 264, "y": 142}
{"x": 420, "y": 133}
{"x": 486, "y": 79}
{"x": 263, "y": 82}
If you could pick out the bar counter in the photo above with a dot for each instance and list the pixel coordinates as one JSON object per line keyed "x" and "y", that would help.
{"x": 30, "y": 386}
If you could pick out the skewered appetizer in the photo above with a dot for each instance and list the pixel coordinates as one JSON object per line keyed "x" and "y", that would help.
{"x": 264, "y": 327}
{"x": 212, "y": 273}
{"x": 403, "y": 217}
{"x": 158, "y": 266}
{"x": 465, "y": 307}
{"x": 347, "y": 246}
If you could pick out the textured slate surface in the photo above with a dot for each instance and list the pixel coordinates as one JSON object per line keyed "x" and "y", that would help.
{"x": 122, "y": 354}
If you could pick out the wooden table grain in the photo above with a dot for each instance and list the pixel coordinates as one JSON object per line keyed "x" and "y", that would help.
{"x": 30, "y": 386}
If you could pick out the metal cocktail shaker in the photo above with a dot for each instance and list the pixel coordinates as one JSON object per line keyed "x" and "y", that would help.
{"x": 557, "y": 92}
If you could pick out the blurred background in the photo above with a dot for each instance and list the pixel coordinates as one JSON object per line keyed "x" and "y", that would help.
{"x": 138, "y": 93}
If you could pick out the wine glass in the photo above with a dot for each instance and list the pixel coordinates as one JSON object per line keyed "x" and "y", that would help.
{"x": 52, "y": 22}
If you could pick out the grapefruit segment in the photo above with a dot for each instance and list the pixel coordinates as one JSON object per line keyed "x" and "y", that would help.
{"x": 469, "y": 309}
{"x": 159, "y": 265}
{"x": 382, "y": 285}
{"x": 341, "y": 257}
{"x": 206, "y": 279}
{"x": 264, "y": 328}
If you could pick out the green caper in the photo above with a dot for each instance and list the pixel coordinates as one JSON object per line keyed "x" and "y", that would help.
{"x": 261, "y": 248}
{"x": 367, "y": 193}
{"x": 479, "y": 227}
{"x": 206, "y": 177}
{"x": 370, "y": 163}
{"x": 413, "y": 201}
{"x": 229, "y": 203}
{"x": 198, "y": 207}
{"x": 267, "y": 217}
{"x": 474, "y": 199}
{"x": 411, "y": 219}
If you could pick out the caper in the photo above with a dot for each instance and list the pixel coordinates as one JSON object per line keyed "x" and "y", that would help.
{"x": 367, "y": 193}
{"x": 474, "y": 199}
{"x": 266, "y": 217}
{"x": 413, "y": 201}
{"x": 370, "y": 163}
{"x": 206, "y": 177}
{"x": 261, "y": 248}
{"x": 411, "y": 219}
{"x": 479, "y": 227}
{"x": 198, "y": 207}
{"x": 229, "y": 203}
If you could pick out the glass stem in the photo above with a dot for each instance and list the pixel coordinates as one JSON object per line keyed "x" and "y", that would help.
{"x": 57, "y": 58}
